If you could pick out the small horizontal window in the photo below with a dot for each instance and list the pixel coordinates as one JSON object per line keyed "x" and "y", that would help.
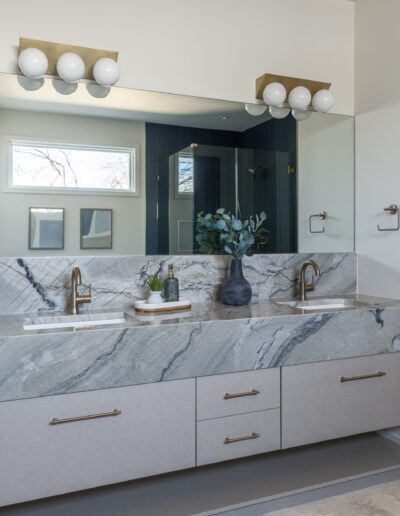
{"x": 59, "y": 167}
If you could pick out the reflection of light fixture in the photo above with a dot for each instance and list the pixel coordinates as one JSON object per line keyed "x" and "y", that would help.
{"x": 322, "y": 101}
{"x": 106, "y": 71}
{"x": 299, "y": 97}
{"x": 222, "y": 117}
{"x": 274, "y": 94}
{"x": 70, "y": 67}
{"x": 33, "y": 63}
{"x": 64, "y": 88}
{"x": 30, "y": 84}
{"x": 255, "y": 109}
{"x": 278, "y": 112}
{"x": 300, "y": 114}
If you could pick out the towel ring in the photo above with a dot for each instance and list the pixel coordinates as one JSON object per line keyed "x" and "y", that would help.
{"x": 393, "y": 209}
{"x": 321, "y": 216}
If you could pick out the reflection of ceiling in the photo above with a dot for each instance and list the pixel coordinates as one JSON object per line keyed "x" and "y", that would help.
{"x": 127, "y": 104}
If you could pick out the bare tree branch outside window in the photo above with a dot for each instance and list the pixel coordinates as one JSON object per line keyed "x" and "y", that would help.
{"x": 66, "y": 167}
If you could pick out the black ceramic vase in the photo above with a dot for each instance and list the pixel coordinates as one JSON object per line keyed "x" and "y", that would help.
{"x": 236, "y": 290}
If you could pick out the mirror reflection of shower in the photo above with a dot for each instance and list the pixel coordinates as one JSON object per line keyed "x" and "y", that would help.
{"x": 203, "y": 178}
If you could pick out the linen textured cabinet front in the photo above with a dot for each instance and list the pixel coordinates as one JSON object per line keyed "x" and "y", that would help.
{"x": 64, "y": 443}
{"x": 238, "y": 415}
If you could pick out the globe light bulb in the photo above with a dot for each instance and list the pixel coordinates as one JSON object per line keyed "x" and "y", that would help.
{"x": 33, "y": 63}
{"x": 274, "y": 94}
{"x": 299, "y": 97}
{"x": 322, "y": 101}
{"x": 70, "y": 67}
{"x": 106, "y": 71}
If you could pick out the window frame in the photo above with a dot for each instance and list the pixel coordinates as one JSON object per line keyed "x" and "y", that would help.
{"x": 9, "y": 187}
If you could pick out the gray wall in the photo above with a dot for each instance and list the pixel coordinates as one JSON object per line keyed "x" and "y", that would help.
{"x": 128, "y": 212}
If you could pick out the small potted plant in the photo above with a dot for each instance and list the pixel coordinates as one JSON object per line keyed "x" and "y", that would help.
{"x": 223, "y": 232}
{"x": 155, "y": 284}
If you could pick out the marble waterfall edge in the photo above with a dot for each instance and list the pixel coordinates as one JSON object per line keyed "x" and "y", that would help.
{"x": 48, "y": 364}
{"x": 43, "y": 283}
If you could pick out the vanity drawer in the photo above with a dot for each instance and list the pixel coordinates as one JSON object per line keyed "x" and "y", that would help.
{"x": 237, "y": 436}
{"x": 342, "y": 397}
{"x": 152, "y": 431}
{"x": 237, "y": 393}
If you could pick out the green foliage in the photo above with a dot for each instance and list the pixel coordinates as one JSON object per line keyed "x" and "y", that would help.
{"x": 155, "y": 282}
{"x": 222, "y": 232}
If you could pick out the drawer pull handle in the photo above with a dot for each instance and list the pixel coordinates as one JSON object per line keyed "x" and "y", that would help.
{"x": 230, "y": 440}
{"x": 253, "y": 392}
{"x": 362, "y": 377}
{"x": 56, "y": 421}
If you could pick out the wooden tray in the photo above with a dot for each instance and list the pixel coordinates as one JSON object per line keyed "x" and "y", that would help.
{"x": 162, "y": 308}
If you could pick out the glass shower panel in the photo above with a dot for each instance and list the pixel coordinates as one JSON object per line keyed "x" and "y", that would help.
{"x": 203, "y": 178}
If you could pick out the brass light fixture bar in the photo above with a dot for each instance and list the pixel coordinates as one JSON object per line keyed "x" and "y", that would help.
{"x": 289, "y": 83}
{"x": 54, "y": 50}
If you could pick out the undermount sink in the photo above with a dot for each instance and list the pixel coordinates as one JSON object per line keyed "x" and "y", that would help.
{"x": 74, "y": 321}
{"x": 321, "y": 304}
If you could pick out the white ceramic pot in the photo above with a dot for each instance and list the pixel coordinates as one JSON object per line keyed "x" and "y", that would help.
{"x": 155, "y": 297}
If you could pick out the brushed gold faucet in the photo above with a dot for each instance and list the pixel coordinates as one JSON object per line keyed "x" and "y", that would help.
{"x": 76, "y": 298}
{"x": 303, "y": 286}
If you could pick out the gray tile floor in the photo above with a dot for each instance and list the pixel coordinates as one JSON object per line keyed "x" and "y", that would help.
{"x": 205, "y": 489}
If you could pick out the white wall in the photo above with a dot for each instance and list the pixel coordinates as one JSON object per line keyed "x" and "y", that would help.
{"x": 325, "y": 179}
{"x": 128, "y": 212}
{"x": 210, "y": 48}
{"x": 377, "y": 144}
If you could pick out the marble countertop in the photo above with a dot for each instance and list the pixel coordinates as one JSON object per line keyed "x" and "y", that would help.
{"x": 13, "y": 325}
{"x": 211, "y": 339}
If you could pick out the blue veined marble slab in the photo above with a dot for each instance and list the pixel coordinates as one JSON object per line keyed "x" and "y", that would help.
{"x": 43, "y": 283}
{"x": 49, "y": 363}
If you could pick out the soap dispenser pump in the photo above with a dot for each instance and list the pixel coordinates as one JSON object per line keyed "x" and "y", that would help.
{"x": 171, "y": 286}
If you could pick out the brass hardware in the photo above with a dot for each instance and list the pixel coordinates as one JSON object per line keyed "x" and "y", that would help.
{"x": 194, "y": 145}
{"x": 393, "y": 209}
{"x": 321, "y": 216}
{"x": 291, "y": 170}
{"x": 230, "y": 440}
{"x": 253, "y": 392}
{"x": 77, "y": 299}
{"x": 54, "y": 50}
{"x": 379, "y": 374}
{"x": 289, "y": 83}
{"x": 303, "y": 286}
{"x": 56, "y": 421}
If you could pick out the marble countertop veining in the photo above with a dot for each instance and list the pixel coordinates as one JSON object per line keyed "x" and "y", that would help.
{"x": 12, "y": 325}
{"x": 211, "y": 339}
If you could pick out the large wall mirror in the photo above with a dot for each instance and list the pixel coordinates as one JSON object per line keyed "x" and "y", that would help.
{"x": 156, "y": 160}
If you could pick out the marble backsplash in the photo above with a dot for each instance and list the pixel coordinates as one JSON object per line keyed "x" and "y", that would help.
{"x": 43, "y": 283}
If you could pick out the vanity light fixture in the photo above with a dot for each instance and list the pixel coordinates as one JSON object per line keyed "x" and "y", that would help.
{"x": 33, "y": 63}
{"x": 71, "y": 63}
{"x": 106, "y": 71}
{"x": 322, "y": 101}
{"x": 70, "y": 67}
{"x": 274, "y": 94}
{"x": 305, "y": 96}
{"x": 299, "y": 97}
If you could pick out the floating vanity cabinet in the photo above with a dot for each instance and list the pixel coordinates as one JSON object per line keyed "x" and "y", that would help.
{"x": 237, "y": 415}
{"x": 59, "y": 444}
{"x": 333, "y": 399}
